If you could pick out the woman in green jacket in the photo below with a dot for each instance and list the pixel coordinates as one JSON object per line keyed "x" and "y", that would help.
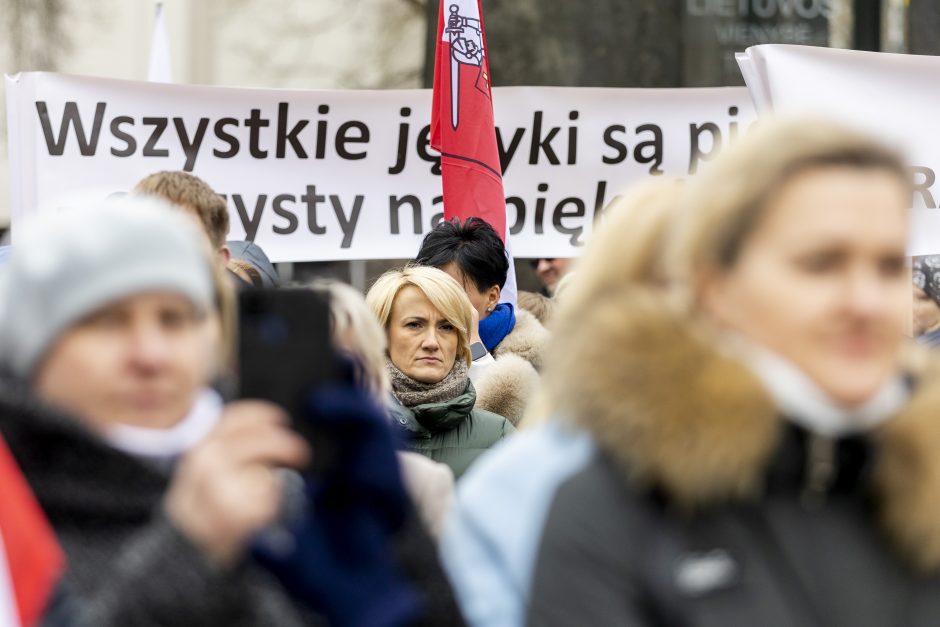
{"x": 427, "y": 318}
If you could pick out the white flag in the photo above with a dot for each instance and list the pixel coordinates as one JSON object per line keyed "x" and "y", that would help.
{"x": 161, "y": 68}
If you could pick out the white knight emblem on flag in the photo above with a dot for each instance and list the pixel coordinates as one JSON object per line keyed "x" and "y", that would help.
{"x": 465, "y": 35}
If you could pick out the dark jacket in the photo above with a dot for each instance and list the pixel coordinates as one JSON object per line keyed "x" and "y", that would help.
{"x": 452, "y": 432}
{"x": 672, "y": 493}
{"x": 127, "y": 563}
{"x": 129, "y": 566}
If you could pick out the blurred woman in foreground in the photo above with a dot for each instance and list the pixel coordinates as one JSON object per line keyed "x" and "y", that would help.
{"x": 756, "y": 449}
{"x": 109, "y": 333}
{"x": 625, "y": 248}
{"x": 173, "y": 508}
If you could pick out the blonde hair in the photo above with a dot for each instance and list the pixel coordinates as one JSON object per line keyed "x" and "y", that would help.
{"x": 727, "y": 200}
{"x": 626, "y": 246}
{"x": 356, "y": 331}
{"x": 445, "y": 294}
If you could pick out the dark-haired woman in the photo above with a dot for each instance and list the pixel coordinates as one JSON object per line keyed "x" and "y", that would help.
{"x": 507, "y": 350}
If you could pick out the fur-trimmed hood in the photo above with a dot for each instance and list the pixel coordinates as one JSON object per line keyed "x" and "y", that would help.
{"x": 508, "y": 385}
{"x": 527, "y": 339}
{"x": 677, "y": 413}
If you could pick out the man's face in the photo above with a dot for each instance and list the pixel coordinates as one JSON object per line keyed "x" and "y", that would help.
{"x": 139, "y": 361}
{"x": 550, "y": 271}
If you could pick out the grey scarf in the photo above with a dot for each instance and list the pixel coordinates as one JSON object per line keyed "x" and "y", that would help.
{"x": 411, "y": 393}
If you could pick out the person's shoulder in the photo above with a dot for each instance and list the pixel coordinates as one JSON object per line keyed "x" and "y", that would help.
{"x": 523, "y": 457}
{"x": 553, "y": 468}
{"x": 491, "y": 423}
{"x": 491, "y": 545}
{"x": 559, "y": 487}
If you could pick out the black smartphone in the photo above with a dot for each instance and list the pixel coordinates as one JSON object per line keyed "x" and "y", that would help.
{"x": 284, "y": 350}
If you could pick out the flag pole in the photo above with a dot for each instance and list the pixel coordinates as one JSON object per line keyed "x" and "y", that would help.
{"x": 160, "y": 69}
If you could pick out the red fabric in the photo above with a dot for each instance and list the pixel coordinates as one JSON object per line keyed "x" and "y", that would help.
{"x": 34, "y": 559}
{"x": 470, "y": 170}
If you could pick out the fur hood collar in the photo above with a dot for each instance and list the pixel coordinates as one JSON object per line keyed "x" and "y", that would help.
{"x": 527, "y": 340}
{"x": 510, "y": 382}
{"x": 675, "y": 412}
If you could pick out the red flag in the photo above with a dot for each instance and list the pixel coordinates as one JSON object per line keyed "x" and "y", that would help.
{"x": 33, "y": 559}
{"x": 462, "y": 127}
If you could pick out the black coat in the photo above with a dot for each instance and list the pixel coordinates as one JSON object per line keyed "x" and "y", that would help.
{"x": 797, "y": 555}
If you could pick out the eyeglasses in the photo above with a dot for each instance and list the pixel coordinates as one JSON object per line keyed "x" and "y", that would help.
{"x": 535, "y": 262}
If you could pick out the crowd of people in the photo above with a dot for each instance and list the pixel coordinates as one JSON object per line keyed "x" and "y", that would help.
{"x": 718, "y": 415}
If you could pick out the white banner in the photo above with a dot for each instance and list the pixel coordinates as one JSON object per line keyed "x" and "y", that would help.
{"x": 329, "y": 175}
{"x": 891, "y": 96}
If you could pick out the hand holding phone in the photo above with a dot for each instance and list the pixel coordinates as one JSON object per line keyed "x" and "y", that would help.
{"x": 285, "y": 352}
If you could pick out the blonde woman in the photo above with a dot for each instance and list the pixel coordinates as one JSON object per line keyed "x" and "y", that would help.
{"x": 755, "y": 451}
{"x": 427, "y": 320}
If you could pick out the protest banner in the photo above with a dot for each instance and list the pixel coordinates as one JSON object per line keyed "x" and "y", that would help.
{"x": 332, "y": 175}
{"x": 890, "y": 96}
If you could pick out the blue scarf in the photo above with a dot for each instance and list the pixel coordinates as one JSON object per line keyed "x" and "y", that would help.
{"x": 496, "y": 326}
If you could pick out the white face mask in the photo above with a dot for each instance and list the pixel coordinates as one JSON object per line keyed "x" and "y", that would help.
{"x": 167, "y": 444}
{"x": 803, "y": 402}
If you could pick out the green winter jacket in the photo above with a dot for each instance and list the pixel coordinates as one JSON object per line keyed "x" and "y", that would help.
{"x": 451, "y": 432}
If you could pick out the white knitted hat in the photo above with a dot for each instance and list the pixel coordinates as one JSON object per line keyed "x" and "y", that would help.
{"x": 65, "y": 266}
